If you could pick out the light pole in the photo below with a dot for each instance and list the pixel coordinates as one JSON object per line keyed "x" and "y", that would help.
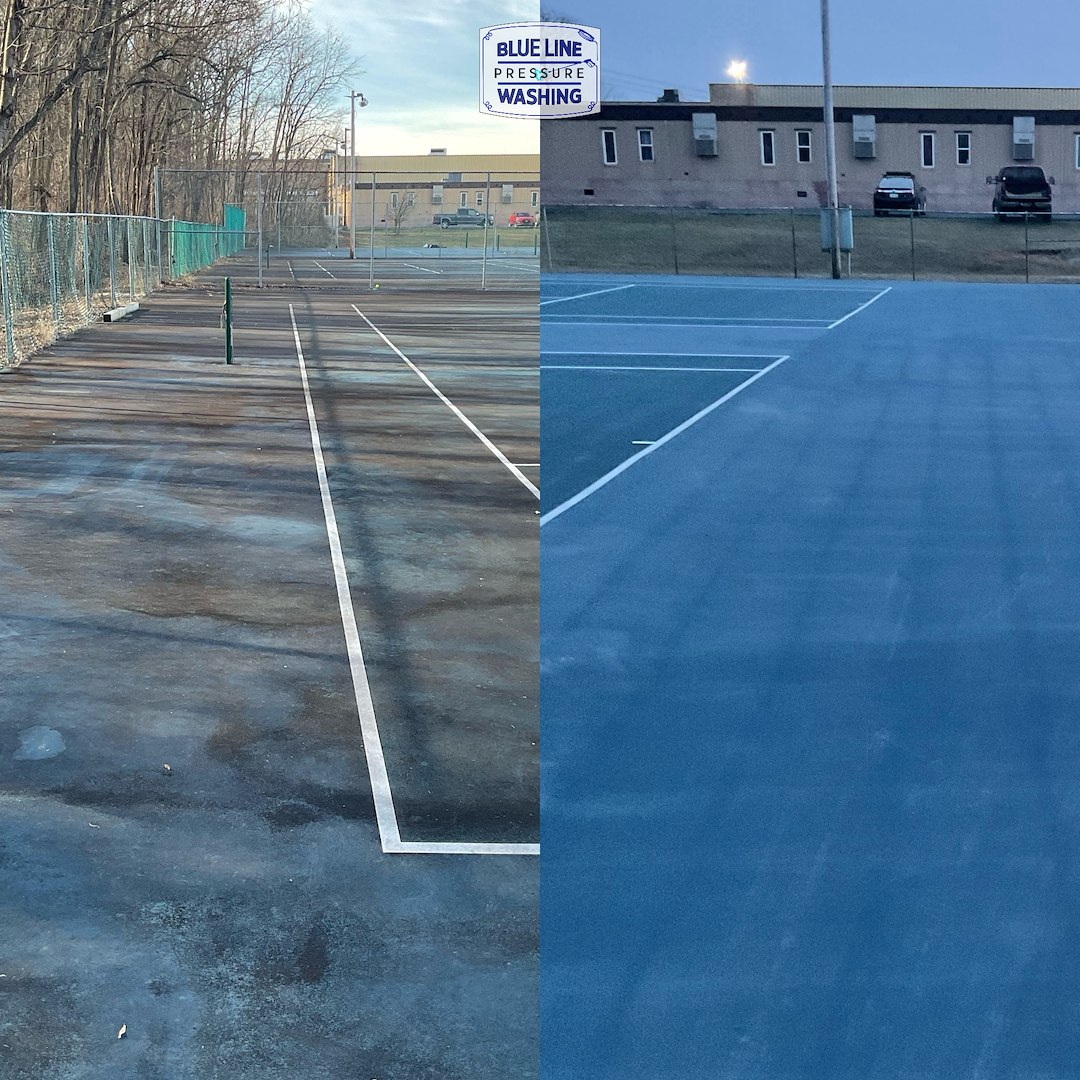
{"x": 830, "y": 143}
{"x": 353, "y": 95}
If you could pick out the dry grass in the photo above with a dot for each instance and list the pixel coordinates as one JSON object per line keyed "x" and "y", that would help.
{"x": 778, "y": 243}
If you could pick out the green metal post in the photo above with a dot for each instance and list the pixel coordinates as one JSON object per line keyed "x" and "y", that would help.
{"x": 228, "y": 321}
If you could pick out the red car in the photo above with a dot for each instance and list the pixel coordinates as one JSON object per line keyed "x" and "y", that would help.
{"x": 521, "y": 220}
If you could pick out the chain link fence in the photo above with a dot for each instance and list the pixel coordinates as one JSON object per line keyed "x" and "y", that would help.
{"x": 59, "y": 272}
{"x": 788, "y": 243}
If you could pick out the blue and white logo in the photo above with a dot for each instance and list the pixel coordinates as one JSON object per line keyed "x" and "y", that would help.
{"x": 542, "y": 69}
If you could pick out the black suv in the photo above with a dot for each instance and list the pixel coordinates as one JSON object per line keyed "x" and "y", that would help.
{"x": 1021, "y": 189}
{"x": 899, "y": 191}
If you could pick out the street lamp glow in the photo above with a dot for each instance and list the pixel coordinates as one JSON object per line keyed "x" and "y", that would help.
{"x": 736, "y": 70}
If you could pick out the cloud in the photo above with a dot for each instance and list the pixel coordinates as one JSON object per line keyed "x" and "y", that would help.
{"x": 421, "y": 74}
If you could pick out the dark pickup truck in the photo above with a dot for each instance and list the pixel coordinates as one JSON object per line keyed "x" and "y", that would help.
{"x": 1021, "y": 189}
{"x": 466, "y": 215}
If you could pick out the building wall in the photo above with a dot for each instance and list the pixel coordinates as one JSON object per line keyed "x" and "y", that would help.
{"x": 481, "y": 183}
{"x": 573, "y": 158}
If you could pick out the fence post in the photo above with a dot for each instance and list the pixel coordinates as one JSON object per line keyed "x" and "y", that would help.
{"x": 86, "y": 264}
{"x": 371, "y": 250}
{"x": 5, "y": 288}
{"x": 54, "y": 287}
{"x": 912, "y": 245}
{"x": 112, "y": 263}
{"x": 146, "y": 256}
{"x": 674, "y": 240}
{"x": 1027, "y": 273}
{"x": 547, "y": 237}
{"x": 132, "y": 272}
{"x": 794, "y": 246}
{"x": 487, "y": 214}
{"x": 157, "y": 219}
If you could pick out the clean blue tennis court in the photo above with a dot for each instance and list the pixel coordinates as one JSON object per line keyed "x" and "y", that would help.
{"x": 811, "y": 693}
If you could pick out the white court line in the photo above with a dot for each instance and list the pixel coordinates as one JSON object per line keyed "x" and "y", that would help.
{"x": 581, "y": 296}
{"x": 323, "y": 268}
{"x": 288, "y": 262}
{"x": 410, "y": 847}
{"x": 413, "y": 266}
{"x": 453, "y": 408}
{"x": 570, "y": 320}
{"x": 710, "y": 355}
{"x": 859, "y": 308}
{"x": 520, "y": 464}
{"x": 637, "y": 367}
{"x": 776, "y": 324}
{"x": 723, "y": 285}
{"x": 596, "y": 485}
{"x": 382, "y": 796}
{"x": 525, "y": 269}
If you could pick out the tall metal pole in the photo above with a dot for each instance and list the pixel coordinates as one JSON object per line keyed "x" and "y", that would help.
{"x": 830, "y": 142}
{"x": 352, "y": 176}
{"x": 259, "y": 217}
{"x": 353, "y": 96}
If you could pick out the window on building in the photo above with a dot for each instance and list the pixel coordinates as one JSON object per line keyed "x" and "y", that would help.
{"x": 463, "y": 199}
{"x": 768, "y": 147}
{"x": 534, "y": 198}
{"x": 410, "y": 198}
{"x": 393, "y": 200}
{"x": 479, "y": 198}
{"x": 607, "y": 137}
{"x": 508, "y": 193}
{"x": 436, "y": 194}
{"x": 803, "y": 147}
{"x": 963, "y": 148}
{"x": 1078, "y": 149}
{"x": 926, "y": 149}
{"x": 645, "y": 144}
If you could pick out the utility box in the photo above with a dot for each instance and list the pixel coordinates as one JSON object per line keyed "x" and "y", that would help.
{"x": 705, "y": 134}
{"x": 1023, "y": 138}
{"x": 863, "y": 136}
{"x": 847, "y": 230}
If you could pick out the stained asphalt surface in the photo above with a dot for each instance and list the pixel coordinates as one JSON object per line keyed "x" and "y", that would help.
{"x": 188, "y": 845}
{"x": 810, "y": 759}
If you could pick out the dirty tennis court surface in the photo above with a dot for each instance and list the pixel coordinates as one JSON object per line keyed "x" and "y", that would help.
{"x": 174, "y": 595}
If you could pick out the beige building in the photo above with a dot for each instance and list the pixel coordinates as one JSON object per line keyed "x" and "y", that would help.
{"x": 764, "y": 146}
{"x": 410, "y": 190}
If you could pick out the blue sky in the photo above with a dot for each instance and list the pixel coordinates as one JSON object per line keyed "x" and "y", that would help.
{"x": 421, "y": 65}
{"x": 686, "y": 44}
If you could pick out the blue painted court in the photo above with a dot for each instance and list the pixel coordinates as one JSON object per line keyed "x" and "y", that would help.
{"x": 811, "y": 680}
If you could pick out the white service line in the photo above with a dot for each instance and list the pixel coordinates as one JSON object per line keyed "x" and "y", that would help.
{"x": 382, "y": 796}
{"x": 454, "y": 409}
{"x": 596, "y": 485}
{"x": 734, "y": 320}
{"x": 859, "y": 308}
{"x": 614, "y": 352}
{"x": 413, "y": 266}
{"x": 525, "y": 269}
{"x": 581, "y": 296}
{"x": 323, "y": 268}
{"x": 385, "y": 814}
{"x": 585, "y": 320}
{"x": 637, "y": 367}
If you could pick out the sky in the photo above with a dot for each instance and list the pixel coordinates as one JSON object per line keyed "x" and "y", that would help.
{"x": 646, "y": 47}
{"x": 421, "y": 74}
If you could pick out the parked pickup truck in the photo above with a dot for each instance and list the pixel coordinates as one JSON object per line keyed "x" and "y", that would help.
{"x": 1021, "y": 189}
{"x": 466, "y": 215}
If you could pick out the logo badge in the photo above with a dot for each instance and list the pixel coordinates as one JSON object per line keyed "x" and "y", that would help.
{"x": 545, "y": 70}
